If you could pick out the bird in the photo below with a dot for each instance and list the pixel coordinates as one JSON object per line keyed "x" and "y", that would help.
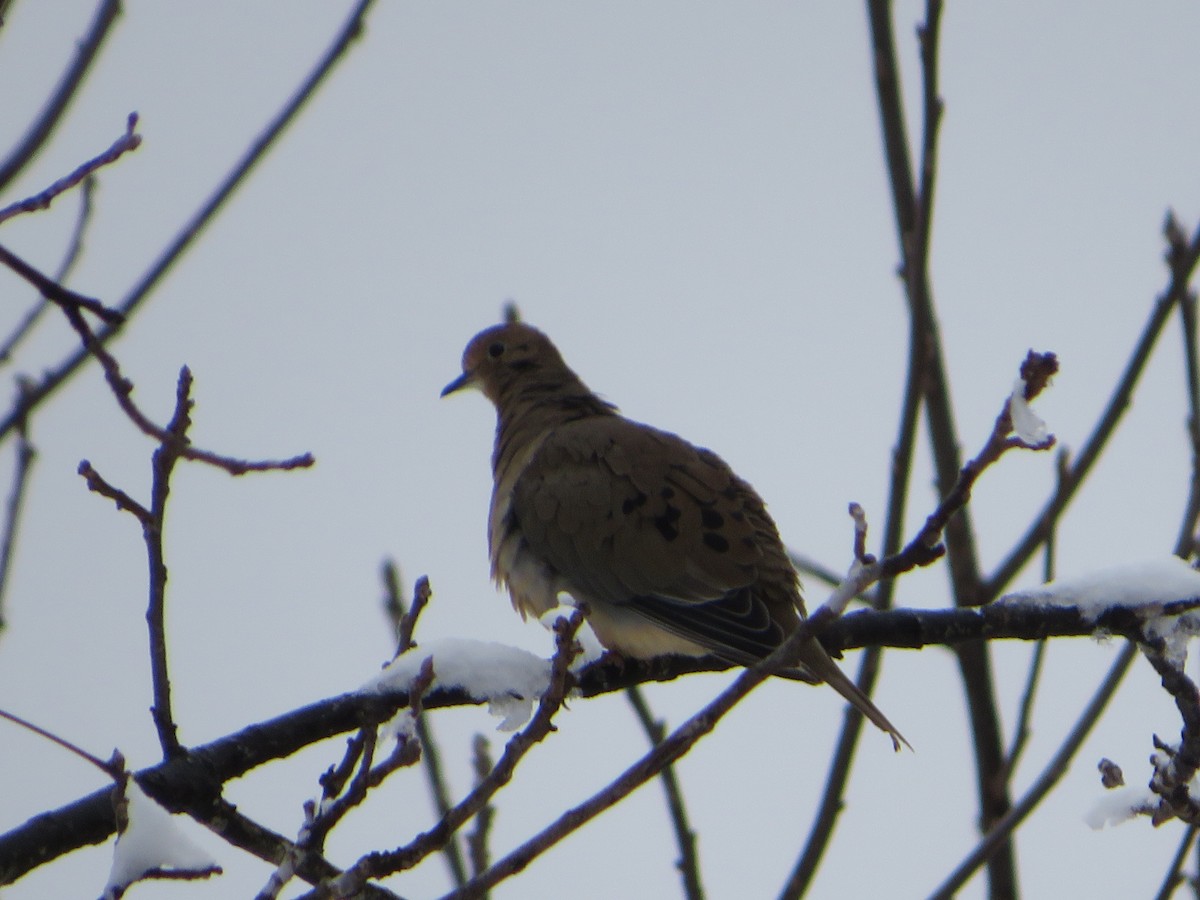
{"x": 666, "y": 549}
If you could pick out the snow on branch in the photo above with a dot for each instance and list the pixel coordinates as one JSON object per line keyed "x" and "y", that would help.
{"x": 508, "y": 679}
{"x": 151, "y": 846}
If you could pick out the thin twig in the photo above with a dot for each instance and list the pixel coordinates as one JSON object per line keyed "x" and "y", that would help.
{"x": 1036, "y": 371}
{"x": 688, "y": 863}
{"x": 1182, "y": 265}
{"x": 227, "y": 822}
{"x": 25, "y": 455}
{"x": 74, "y": 252}
{"x": 339, "y": 803}
{"x": 913, "y": 210}
{"x": 1186, "y": 541}
{"x": 1021, "y": 730}
{"x": 164, "y": 461}
{"x": 126, "y": 143}
{"x": 69, "y": 301}
{"x": 404, "y": 623}
{"x": 379, "y": 864}
{"x": 671, "y": 748}
{"x": 393, "y": 603}
{"x": 477, "y": 839}
{"x": 998, "y": 834}
{"x": 1176, "y": 766}
{"x": 842, "y": 759}
{"x": 1174, "y": 875}
{"x": 408, "y": 621}
{"x": 96, "y": 483}
{"x": 57, "y": 376}
{"x": 439, "y": 791}
{"x": 85, "y": 54}
{"x": 122, "y": 389}
{"x": 113, "y": 767}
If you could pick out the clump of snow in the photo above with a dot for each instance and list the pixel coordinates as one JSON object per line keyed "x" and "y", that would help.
{"x": 402, "y": 726}
{"x": 509, "y": 679}
{"x": 152, "y": 842}
{"x": 1120, "y": 805}
{"x": 1150, "y": 583}
{"x": 1027, "y": 425}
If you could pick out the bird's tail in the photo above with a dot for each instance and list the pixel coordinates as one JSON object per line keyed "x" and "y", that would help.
{"x": 814, "y": 658}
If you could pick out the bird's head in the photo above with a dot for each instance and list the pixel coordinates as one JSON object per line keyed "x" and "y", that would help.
{"x": 501, "y": 360}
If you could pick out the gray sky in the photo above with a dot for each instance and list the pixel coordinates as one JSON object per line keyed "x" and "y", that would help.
{"x": 691, "y": 201}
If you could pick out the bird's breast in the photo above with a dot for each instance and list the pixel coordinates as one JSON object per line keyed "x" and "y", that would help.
{"x": 531, "y": 584}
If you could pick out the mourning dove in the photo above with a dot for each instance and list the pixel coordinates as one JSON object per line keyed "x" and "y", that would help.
{"x": 668, "y": 550}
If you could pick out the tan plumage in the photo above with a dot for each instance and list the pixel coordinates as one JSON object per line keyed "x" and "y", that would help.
{"x": 669, "y": 549}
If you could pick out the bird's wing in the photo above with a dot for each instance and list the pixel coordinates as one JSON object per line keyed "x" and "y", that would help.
{"x": 634, "y": 516}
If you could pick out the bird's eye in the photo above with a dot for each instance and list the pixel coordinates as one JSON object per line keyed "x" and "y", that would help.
{"x": 496, "y": 350}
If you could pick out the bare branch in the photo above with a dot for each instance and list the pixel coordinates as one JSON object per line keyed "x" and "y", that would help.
{"x": 1185, "y": 543}
{"x": 671, "y": 748}
{"x": 122, "y": 389}
{"x": 66, "y": 299}
{"x": 113, "y": 767}
{"x": 1174, "y": 875}
{"x": 125, "y": 503}
{"x": 58, "y": 375}
{"x": 74, "y": 251}
{"x": 191, "y": 782}
{"x": 379, "y": 864}
{"x": 477, "y": 840}
{"x": 164, "y": 461}
{"x": 408, "y": 621}
{"x": 126, "y": 143}
{"x": 1176, "y": 766}
{"x": 25, "y": 455}
{"x": 1183, "y": 260}
{"x": 998, "y": 834}
{"x": 393, "y": 603}
{"x": 688, "y": 863}
{"x": 1021, "y": 730}
{"x": 85, "y": 54}
{"x": 404, "y": 623}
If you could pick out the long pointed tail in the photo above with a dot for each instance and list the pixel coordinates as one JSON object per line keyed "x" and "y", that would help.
{"x": 814, "y": 657}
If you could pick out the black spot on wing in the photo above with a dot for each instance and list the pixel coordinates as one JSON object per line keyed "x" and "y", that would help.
{"x": 633, "y": 503}
{"x": 665, "y": 523}
{"x": 714, "y": 541}
{"x": 710, "y": 518}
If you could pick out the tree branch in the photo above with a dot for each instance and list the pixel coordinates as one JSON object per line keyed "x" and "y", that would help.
{"x": 258, "y": 149}
{"x": 1182, "y": 264}
{"x": 192, "y": 783}
{"x": 127, "y": 142}
{"x": 998, "y": 835}
{"x": 40, "y": 131}
{"x": 688, "y": 863}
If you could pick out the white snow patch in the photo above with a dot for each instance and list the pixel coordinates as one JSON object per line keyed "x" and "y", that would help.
{"x": 509, "y": 679}
{"x": 1147, "y": 585}
{"x": 151, "y": 840}
{"x": 1027, "y": 425}
{"x": 401, "y": 726}
{"x": 1119, "y": 805}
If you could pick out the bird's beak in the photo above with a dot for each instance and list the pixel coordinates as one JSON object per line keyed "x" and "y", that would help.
{"x": 465, "y": 380}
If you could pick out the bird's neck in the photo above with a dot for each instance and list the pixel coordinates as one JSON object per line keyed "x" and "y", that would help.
{"x": 525, "y": 419}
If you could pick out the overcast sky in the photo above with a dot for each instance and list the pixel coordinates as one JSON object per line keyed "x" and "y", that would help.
{"x": 691, "y": 200}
